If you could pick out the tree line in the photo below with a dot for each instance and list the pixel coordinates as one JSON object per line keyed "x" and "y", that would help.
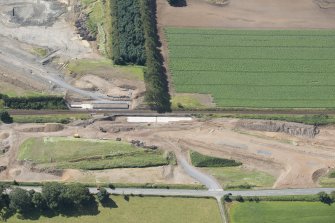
{"x": 135, "y": 40}
{"x": 127, "y": 33}
{"x": 54, "y": 198}
{"x": 39, "y": 102}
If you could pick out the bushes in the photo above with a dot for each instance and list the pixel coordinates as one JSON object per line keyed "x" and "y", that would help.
{"x": 5, "y": 117}
{"x": 200, "y": 160}
{"x": 41, "y": 102}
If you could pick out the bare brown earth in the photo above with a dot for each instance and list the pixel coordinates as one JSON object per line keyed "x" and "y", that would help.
{"x": 257, "y": 14}
{"x": 297, "y": 162}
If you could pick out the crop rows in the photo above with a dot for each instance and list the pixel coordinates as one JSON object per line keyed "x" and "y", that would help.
{"x": 250, "y": 68}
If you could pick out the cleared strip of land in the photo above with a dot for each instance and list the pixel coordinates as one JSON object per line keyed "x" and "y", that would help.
{"x": 255, "y": 68}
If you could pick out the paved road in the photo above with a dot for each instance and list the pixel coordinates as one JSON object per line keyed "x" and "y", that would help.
{"x": 205, "y": 193}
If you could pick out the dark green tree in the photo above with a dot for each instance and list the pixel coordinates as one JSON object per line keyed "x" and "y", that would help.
{"x": 77, "y": 195}
{"x": 20, "y": 200}
{"x": 324, "y": 198}
{"x": 5, "y": 117}
{"x": 38, "y": 201}
{"x": 102, "y": 195}
{"x": 53, "y": 194}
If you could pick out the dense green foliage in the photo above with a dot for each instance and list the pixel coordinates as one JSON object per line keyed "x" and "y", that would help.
{"x": 39, "y": 102}
{"x": 253, "y": 68}
{"x": 332, "y": 174}
{"x": 279, "y": 212}
{"x": 177, "y": 2}
{"x": 157, "y": 90}
{"x": 135, "y": 40}
{"x": 5, "y": 117}
{"x": 127, "y": 32}
{"x": 200, "y": 160}
{"x": 69, "y": 153}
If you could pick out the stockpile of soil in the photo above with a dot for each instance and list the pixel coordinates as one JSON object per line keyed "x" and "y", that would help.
{"x": 51, "y": 127}
{"x": 295, "y": 129}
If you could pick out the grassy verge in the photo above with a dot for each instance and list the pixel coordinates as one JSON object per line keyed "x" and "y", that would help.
{"x": 304, "y": 119}
{"x": 133, "y": 209}
{"x": 65, "y": 118}
{"x": 185, "y": 102}
{"x": 278, "y": 212}
{"x": 69, "y": 153}
{"x": 105, "y": 66}
{"x": 200, "y": 160}
{"x": 329, "y": 180}
{"x": 240, "y": 178}
{"x": 118, "y": 185}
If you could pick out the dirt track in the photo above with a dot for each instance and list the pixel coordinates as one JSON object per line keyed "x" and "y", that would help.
{"x": 297, "y": 162}
{"x": 257, "y": 14}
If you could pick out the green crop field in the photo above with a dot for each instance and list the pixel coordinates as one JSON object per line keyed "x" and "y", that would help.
{"x": 255, "y": 68}
{"x": 70, "y": 153}
{"x": 282, "y": 211}
{"x": 140, "y": 210}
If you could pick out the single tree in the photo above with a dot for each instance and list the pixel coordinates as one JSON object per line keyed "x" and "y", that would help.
{"x": 77, "y": 195}
{"x": 102, "y": 195}
{"x": 324, "y": 198}
{"x": 53, "y": 194}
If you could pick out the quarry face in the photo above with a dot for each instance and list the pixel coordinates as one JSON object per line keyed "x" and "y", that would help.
{"x": 30, "y": 12}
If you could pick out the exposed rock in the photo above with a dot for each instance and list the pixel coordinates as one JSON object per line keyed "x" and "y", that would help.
{"x": 295, "y": 129}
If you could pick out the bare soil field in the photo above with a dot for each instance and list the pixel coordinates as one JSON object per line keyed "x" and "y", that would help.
{"x": 295, "y": 161}
{"x": 258, "y": 14}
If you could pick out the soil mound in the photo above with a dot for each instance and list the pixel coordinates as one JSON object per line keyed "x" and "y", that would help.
{"x": 295, "y": 129}
{"x": 51, "y": 127}
{"x": 4, "y": 136}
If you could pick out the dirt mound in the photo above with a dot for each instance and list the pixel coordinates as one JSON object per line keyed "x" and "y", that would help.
{"x": 290, "y": 128}
{"x": 4, "y": 136}
{"x": 51, "y": 127}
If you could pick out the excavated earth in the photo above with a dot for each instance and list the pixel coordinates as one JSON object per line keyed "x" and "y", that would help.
{"x": 297, "y": 161}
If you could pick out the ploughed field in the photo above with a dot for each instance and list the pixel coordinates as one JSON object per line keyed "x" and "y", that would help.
{"x": 282, "y": 211}
{"x": 255, "y": 68}
{"x": 89, "y": 154}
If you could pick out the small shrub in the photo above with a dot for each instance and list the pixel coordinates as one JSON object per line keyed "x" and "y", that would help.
{"x": 239, "y": 198}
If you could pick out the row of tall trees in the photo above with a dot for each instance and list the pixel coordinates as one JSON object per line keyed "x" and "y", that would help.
{"x": 39, "y": 102}
{"x": 127, "y": 33}
{"x": 157, "y": 94}
{"x": 55, "y": 197}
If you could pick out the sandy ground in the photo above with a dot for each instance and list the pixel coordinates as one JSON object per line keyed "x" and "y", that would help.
{"x": 296, "y": 162}
{"x": 257, "y": 14}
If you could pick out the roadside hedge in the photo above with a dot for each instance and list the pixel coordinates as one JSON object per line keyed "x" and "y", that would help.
{"x": 40, "y": 102}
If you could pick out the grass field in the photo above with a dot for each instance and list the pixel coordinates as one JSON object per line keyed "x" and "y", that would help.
{"x": 70, "y": 153}
{"x": 87, "y": 66}
{"x": 329, "y": 180}
{"x": 144, "y": 210}
{"x": 279, "y": 212}
{"x": 255, "y": 68}
{"x": 200, "y": 160}
{"x": 238, "y": 177}
{"x": 64, "y": 118}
